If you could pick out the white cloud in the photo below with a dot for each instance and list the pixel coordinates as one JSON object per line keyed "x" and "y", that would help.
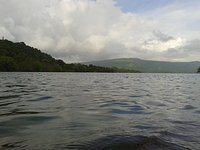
{"x": 82, "y": 30}
{"x": 163, "y": 43}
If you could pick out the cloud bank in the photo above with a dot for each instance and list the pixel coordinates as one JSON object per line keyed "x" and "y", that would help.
{"x": 85, "y": 30}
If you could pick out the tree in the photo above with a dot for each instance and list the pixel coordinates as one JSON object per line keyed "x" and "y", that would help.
{"x": 198, "y": 70}
{"x": 7, "y": 64}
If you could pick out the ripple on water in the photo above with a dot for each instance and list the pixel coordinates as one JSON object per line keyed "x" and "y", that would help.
{"x": 173, "y": 135}
{"x": 41, "y": 98}
{"x": 14, "y": 125}
{"x": 16, "y": 85}
{"x": 7, "y": 103}
{"x": 135, "y": 109}
{"x": 74, "y": 125}
{"x": 13, "y": 145}
{"x": 189, "y": 107}
{"x": 9, "y": 97}
{"x": 120, "y": 104}
{"x": 198, "y": 111}
{"x": 136, "y": 96}
{"x": 13, "y": 112}
{"x": 145, "y": 127}
{"x": 122, "y": 142}
{"x": 180, "y": 121}
{"x": 156, "y": 103}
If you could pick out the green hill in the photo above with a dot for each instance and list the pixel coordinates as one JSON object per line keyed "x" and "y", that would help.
{"x": 20, "y": 57}
{"x": 148, "y": 66}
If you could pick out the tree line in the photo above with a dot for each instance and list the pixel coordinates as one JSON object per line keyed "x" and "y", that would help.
{"x": 23, "y": 58}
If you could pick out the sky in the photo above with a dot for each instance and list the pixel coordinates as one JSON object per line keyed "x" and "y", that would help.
{"x": 88, "y": 30}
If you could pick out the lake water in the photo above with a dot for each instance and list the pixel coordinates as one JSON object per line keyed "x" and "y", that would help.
{"x": 53, "y": 111}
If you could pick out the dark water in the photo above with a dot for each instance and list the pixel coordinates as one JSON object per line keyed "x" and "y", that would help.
{"x": 52, "y": 111}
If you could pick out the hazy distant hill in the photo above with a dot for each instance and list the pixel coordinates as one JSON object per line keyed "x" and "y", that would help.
{"x": 150, "y": 66}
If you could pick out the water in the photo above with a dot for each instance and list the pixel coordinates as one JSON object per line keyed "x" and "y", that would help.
{"x": 53, "y": 111}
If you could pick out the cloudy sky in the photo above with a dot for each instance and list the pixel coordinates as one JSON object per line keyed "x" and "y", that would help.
{"x": 85, "y": 30}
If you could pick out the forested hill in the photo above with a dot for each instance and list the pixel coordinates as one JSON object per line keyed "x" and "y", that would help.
{"x": 149, "y": 66}
{"x": 20, "y": 57}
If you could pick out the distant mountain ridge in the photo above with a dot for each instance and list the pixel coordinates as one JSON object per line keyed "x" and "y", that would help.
{"x": 149, "y": 66}
{"x": 23, "y": 58}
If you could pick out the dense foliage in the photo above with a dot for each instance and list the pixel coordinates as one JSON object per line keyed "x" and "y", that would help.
{"x": 20, "y": 57}
{"x": 198, "y": 71}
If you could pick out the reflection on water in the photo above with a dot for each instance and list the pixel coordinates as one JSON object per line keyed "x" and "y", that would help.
{"x": 99, "y": 111}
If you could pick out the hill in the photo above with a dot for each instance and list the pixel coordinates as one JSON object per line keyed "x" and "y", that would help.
{"x": 21, "y": 57}
{"x": 149, "y": 66}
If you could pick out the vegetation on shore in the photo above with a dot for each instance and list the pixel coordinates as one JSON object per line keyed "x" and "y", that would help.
{"x": 198, "y": 71}
{"x": 23, "y": 58}
{"x": 149, "y": 66}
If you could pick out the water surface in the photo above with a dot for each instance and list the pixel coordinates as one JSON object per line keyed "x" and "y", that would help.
{"x": 99, "y": 111}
